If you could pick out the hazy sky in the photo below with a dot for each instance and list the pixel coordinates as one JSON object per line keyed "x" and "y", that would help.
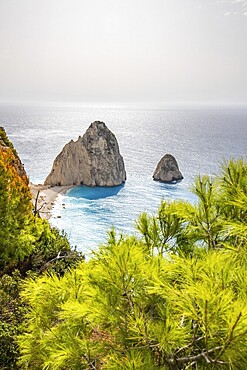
{"x": 154, "y": 51}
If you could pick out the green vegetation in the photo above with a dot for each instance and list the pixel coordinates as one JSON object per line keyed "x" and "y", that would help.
{"x": 28, "y": 245}
{"x": 11, "y": 317}
{"x": 15, "y": 211}
{"x": 4, "y": 141}
{"x": 26, "y": 242}
{"x": 175, "y": 298}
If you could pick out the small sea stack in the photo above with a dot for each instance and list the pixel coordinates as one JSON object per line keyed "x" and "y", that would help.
{"x": 93, "y": 160}
{"x": 167, "y": 170}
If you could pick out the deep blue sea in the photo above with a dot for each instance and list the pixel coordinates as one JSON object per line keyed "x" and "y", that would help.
{"x": 199, "y": 138}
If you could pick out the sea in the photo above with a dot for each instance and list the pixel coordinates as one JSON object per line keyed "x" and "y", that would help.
{"x": 200, "y": 138}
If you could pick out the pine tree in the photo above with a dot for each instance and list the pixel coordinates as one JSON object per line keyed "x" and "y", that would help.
{"x": 15, "y": 211}
{"x": 173, "y": 299}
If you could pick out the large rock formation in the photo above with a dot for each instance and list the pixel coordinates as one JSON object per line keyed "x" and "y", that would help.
{"x": 92, "y": 160}
{"x": 167, "y": 170}
{"x": 5, "y": 144}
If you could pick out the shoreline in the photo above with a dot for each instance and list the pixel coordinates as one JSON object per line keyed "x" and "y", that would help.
{"x": 46, "y": 198}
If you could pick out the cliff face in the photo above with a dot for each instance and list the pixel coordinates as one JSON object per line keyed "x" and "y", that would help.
{"x": 167, "y": 170}
{"x": 93, "y": 160}
{"x": 6, "y": 144}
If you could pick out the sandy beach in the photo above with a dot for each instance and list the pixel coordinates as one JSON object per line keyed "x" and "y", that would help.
{"x": 46, "y": 197}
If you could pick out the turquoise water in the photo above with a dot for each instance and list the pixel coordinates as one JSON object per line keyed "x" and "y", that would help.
{"x": 96, "y": 193}
{"x": 92, "y": 211}
{"x": 198, "y": 138}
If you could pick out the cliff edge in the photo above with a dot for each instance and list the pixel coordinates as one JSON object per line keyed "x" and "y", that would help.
{"x": 5, "y": 144}
{"x": 92, "y": 160}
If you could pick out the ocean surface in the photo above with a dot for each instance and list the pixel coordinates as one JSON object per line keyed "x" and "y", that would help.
{"x": 199, "y": 138}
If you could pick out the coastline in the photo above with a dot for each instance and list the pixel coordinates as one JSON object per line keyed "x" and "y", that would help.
{"x": 46, "y": 198}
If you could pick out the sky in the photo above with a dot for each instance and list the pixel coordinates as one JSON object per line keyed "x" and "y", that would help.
{"x": 124, "y": 51}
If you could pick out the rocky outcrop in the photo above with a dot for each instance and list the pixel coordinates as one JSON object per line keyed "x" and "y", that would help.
{"x": 167, "y": 170}
{"x": 92, "y": 160}
{"x": 5, "y": 144}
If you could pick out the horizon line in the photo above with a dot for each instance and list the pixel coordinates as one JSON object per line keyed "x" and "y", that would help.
{"x": 123, "y": 105}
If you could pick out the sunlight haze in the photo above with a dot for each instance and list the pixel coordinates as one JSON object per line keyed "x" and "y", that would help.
{"x": 149, "y": 51}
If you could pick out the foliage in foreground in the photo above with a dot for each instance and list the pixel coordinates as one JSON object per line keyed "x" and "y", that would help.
{"x": 174, "y": 299}
{"x": 26, "y": 242}
{"x": 27, "y": 245}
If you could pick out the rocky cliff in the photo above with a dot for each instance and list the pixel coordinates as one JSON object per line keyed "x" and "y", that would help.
{"x": 167, "y": 170}
{"x": 92, "y": 160}
{"x": 5, "y": 144}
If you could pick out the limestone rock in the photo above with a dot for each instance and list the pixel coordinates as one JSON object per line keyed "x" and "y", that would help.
{"x": 167, "y": 170}
{"x": 92, "y": 160}
{"x": 6, "y": 144}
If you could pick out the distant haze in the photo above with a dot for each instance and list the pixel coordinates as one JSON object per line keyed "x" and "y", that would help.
{"x": 116, "y": 51}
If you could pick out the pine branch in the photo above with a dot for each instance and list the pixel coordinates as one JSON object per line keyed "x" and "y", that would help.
{"x": 190, "y": 344}
{"x": 58, "y": 257}
{"x": 195, "y": 358}
{"x": 230, "y": 338}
